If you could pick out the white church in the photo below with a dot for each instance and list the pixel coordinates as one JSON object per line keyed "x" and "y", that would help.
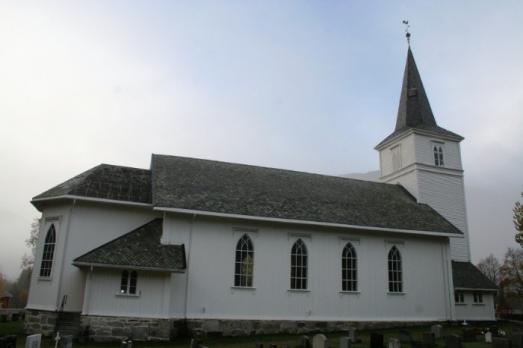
{"x": 223, "y": 248}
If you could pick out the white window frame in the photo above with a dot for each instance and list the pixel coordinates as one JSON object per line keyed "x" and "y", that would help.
{"x": 303, "y": 267}
{"x": 459, "y": 297}
{"x": 349, "y": 268}
{"x": 248, "y": 280}
{"x": 50, "y": 261}
{"x": 127, "y": 286}
{"x": 396, "y": 157}
{"x": 438, "y": 153}
{"x": 395, "y": 281}
{"x": 478, "y": 297}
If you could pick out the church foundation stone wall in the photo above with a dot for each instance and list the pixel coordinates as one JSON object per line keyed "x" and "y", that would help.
{"x": 37, "y": 321}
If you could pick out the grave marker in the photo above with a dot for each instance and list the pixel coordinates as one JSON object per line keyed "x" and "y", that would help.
{"x": 394, "y": 343}
{"x": 33, "y": 341}
{"x": 319, "y": 341}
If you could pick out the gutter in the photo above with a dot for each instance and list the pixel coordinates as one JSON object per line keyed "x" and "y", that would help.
{"x": 304, "y": 222}
{"x": 475, "y": 289}
{"x": 140, "y": 268}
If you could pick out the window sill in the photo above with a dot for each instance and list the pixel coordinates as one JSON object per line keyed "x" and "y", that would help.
{"x": 298, "y": 290}
{"x": 45, "y": 279}
{"x": 478, "y": 304}
{"x": 127, "y": 295}
{"x": 248, "y": 288}
{"x": 396, "y": 293}
{"x": 349, "y": 292}
{"x": 460, "y": 304}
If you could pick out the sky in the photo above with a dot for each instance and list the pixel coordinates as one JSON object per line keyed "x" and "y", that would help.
{"x": 305, "y": 85}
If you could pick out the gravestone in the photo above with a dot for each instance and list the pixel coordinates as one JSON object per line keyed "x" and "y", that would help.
{"x": 305, "y": 342}
{"x": 498, "y": 342}
{"x": 488, "y": 337}
{"x": 345, "y": 342}
{"x": 517, "y": 340}
{"x": 436, "y": 330}
{"x": 376, "y": 340}
{"x": 453, "y": 341}
{"x": 33, "y": 341}
{"x": 429, "y": 340}
{"x": 319, "y": 341}
{"x": 394, "y": 343}
{"x": 66, "y": 341}
{"x": 352, "y": 334}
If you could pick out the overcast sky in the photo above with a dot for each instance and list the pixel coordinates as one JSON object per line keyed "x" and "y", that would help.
{"x": 304, "y": 85}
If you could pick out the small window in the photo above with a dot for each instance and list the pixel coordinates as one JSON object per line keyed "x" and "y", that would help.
{"x": 299, "y": 266}
{"x": 349, "y": 269}
{"x": 244, "y": 262}
{"x": 47, "y": 257}
{"x": 478, "y": 297}
{"x": 128, "y": 282}
{"x": 396, "y": 157}
{"x": 438, "y": 155}
{"x": 459, "y": 297}
{"x": 395, "y": 272}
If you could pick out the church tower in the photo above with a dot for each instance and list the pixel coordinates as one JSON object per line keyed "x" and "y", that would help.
{"x": 425, "y": 158}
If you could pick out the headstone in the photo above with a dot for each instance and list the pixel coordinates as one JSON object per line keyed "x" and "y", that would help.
{"x": 67, "y": 341}
{"x": 352, "y": 334}
{"x": 517, "y": 340}
{"x": 429, "y": 340}
{"x": 305, "y": 342}
{"x": 376, "y": 340}
{"x": 394, "y": 343}
{"x": 498, "y": 342}
{"x": 319, "y": 341}
{"x": 33, "y": 341}
{"x": 453, "y": 341}
{"x": 436, "y": 329}
{"x": 345, "y": 342}
{"x": 488, "y": 337}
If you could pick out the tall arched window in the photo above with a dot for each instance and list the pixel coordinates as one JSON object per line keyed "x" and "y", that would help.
{"x": 395, "y": 273}
{"x": 438, "y": 155}
{"x": 349, "y": 269}
{"x": 47, "y": 257}
{"x": 244, "y": 262}
{"x": 299, "y": 266}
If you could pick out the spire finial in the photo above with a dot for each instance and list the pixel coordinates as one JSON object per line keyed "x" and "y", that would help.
{"x": 407, "y": 33}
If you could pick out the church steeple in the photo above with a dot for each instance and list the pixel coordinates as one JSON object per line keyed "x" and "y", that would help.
{"x": 414, "y": 109}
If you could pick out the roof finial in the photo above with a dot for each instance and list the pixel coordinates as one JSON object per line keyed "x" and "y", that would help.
{"x": 407, "y": 33}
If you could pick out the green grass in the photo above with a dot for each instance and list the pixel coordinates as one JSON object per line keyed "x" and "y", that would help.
{"x": 16, "y": 328}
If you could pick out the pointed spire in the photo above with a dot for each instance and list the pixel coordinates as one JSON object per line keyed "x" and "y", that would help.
{"x": 414, "y": 109}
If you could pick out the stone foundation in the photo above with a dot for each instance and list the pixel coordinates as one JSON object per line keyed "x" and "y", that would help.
{"x": 37, "y": 321}
{"x": 105, "y": 328}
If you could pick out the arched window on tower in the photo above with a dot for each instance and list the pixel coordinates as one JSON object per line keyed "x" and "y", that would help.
{"x": 438, "y": 155}
{"x": 47, "y": 257}
{"x": 244, "y": 262}
{"x": 349, "y": 269}
{"x": 299, "y": 266}
{"x": 395, "y": 272}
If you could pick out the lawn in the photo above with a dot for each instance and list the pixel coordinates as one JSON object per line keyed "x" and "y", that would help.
{"x": 16, "y": 328}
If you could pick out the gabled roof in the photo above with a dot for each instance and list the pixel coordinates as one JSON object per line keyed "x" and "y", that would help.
{"x": 414, "y": 111}
{"x": 466, "y": 276}
{"x": 140, "y": 248}
{"x": 107, "y": 182}
{"x": 230, "y": 188}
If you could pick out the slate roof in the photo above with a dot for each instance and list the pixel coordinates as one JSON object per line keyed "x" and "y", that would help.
{"x": 140, "y": 248}
{"x": 220, "y": 187}
{"x": 414, "y": 111}
{"x": 466, "y": 276}
{"x": 108, "y": 182}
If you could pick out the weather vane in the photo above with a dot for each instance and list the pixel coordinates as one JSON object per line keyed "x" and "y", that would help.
{"x": 407, "y": 33}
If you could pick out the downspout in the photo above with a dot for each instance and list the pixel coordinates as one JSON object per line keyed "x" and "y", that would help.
{"x": 187, "y": 270}
{"x": 58, "y": 293}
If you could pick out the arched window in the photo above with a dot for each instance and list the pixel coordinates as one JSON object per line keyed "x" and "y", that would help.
{"x": 299, "y": 266}
{"x": 349, "y": 269}
{"x": 395, "y": 273}
{"x": 128, "y": 283}
{"x": 47, "y": 257}
{"x": 244, "y": 262}
{"x": 438, "y": 156}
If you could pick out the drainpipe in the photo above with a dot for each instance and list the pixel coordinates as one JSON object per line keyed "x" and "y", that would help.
{"x": 187, "y": 269}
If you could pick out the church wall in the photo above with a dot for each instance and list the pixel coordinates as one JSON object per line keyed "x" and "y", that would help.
{"x": 408, "y": 155}
{"x": 43, "y": 291}
{"x": 211, "y": 294}
{"x": 471, "y": 311}
{"x": 446, "y": 194}
{"x": 425, "y": 155}
{"x": 151, "y": 301}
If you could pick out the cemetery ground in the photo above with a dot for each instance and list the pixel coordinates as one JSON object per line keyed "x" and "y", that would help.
{"x": 16, "y": 328}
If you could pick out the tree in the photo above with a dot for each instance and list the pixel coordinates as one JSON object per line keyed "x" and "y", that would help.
{"x": 511, "y": 273}
{"x": 518, "y": 221}
{"x": 3, "y": 284}
{"x": 28, "y": 260}
{"x": 490, "y": 267}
